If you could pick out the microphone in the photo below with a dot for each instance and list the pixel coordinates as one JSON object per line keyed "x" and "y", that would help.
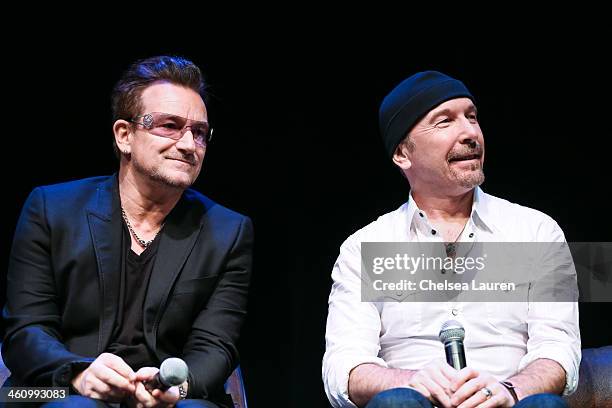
{"x": 452, "y": 335}
{"x": 173, "y": 371}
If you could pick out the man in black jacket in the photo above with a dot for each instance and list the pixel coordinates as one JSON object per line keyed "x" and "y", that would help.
{"x": 109, "y": 276}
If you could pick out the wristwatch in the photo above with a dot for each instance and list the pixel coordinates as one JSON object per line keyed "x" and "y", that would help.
{"x": 510, "y": 387}
{"x": 182, "y": 392}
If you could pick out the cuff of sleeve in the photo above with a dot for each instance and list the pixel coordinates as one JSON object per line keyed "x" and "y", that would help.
{"x": 561, "y": 357}
{"x": 62, "y": 376}
{"x": 339, "y": 387}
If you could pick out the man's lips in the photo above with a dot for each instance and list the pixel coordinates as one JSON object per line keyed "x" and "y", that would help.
{"x": 182, "y": 160}
{"x": 465, "y": 158}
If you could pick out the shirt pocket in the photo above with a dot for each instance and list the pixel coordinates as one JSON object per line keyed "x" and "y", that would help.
{"x": 510, "y": 314}
{"x": 402, "y": 319}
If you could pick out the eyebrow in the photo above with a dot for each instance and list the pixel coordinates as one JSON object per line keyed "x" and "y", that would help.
{"x": 449, "y": 112}
{"x": 443, "y": 112}
{"x": 173, "y": 116}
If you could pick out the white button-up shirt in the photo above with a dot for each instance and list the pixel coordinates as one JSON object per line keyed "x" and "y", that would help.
{"x": 501, "y": 338}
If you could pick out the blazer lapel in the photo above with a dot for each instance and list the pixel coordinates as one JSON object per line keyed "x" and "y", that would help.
{"x": 104, "y": 216}
{"x": 177, "y": 239}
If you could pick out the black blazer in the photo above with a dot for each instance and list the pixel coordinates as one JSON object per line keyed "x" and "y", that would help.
{"x": 64, "y": 275}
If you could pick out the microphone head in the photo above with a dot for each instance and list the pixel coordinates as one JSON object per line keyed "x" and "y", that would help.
{"x": 173, "y": 371}
{"x": 451, "y": 330}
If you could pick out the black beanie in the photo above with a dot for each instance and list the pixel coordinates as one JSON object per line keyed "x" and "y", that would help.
{"x": 412, "y": 99}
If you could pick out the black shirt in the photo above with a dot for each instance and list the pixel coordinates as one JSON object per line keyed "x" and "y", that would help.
{"x": 128, "y": 340}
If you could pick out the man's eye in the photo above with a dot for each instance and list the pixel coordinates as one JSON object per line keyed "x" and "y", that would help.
{"x": 472, "y": 117}
{"x": 200, "y": 130}
{"x": 443, "y": 121}
{"x": 169, "y": 125}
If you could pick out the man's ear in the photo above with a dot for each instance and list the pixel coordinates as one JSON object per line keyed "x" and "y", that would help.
{"x": 123, "y": 135}
{"x": 401, "y": 156}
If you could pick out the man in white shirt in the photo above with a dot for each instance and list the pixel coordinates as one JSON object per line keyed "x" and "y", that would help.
{"x": 387, "y": 354}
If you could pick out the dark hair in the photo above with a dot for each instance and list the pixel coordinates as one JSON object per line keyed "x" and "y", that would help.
{"x": 125, "y": 98}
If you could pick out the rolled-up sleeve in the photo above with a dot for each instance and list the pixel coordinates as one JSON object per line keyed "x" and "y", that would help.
{"x": 353, "y": 326}
{"x": 553, "y": 327}
{"x": 554, "y": 334}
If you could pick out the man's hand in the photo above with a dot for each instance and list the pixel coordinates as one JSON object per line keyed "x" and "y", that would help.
{"x": 434, "y": 382}
{"x": 156, "y": 398}
{"x": 108, "y": 378}
{"x": 467, "y": 390}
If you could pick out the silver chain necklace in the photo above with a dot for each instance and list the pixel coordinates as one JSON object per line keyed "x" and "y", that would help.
{"x": 451, "y": 247}
{"x": 141, "y": 241}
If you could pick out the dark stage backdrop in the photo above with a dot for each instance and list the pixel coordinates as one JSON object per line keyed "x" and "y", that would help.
{"x": 297, "y": 149}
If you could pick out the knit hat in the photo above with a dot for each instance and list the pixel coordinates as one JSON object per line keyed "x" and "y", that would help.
{"x": 412, "y": 99}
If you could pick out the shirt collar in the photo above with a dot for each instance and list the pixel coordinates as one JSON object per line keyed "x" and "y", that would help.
{"x": 480, "y": 209}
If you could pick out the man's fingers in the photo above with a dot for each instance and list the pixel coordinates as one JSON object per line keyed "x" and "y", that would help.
{"x": 170, "y": 396}
{"x": 478, "y": 397}
{"x": 463, "y": 375}
{"x": 436, "y": 378}
{"x": 426, "y": 385}
{"x": 500, "y": 398}
{"x": 97, "y": 385}
{"x": 496, "y": 401}
{"x": 156, "y": 397}
{"x": 467, "y": 390}
{"x": 112, "y": 370}
{"x": 97, "y": 389}
{"x": 89, "y": 385}
{"x": 145, "y": 374}
{"x": 117, "y": 364}
{"x": 440, "y": 379}
{"x": 95, "y": 395}
{"x": 449, "y": 372}
{"x": 439, "y": 396}
{"x": 143, "y": 396}
{"x": 475, "y": 400}
{"x": 113, "y": 378}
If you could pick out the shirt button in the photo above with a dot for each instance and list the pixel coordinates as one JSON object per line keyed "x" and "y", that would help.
{"x": 471, "y": 235}
{"x": 421, "y": 214}
{"x": 433, "y": 231}
{"x": 455, "y": 312}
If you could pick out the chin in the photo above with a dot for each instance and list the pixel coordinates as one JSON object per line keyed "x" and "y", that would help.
{"x": 471, "y": 180}
{"x": 182, "y": 181}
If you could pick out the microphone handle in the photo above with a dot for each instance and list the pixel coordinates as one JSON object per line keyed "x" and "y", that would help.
{"x": 455, "y": 356}
{"x": 155, "y": 383}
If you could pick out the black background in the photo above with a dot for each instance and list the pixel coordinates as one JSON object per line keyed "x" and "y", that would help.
{"x": 297, "y": 149}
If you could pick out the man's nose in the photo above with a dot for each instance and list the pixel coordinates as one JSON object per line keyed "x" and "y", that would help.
{"x": 187, "y": 141}
{"x": 470, "y": 133}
